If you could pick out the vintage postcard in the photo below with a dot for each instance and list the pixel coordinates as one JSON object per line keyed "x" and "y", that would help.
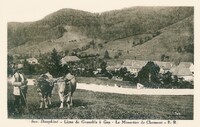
{"x": 100, "y": 63}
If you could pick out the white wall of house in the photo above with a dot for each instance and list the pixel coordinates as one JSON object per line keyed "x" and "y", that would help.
{"x": 192, "y": 68}
{"x": 32, "y": 61}
{"x": 187, "y": 78}
{"x": 132, "y": 70}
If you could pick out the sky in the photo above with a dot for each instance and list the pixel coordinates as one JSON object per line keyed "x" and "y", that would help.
{"x": 32, "y": 10}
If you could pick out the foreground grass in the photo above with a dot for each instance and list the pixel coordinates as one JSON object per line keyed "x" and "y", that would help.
{"x": 95, "y": 105}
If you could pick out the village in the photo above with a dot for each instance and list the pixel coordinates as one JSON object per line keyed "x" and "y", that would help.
{"x": 127, "y": 70}
{"x": 128, "y": 63}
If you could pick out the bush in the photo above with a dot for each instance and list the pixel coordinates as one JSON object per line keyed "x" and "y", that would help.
{"x": 152, "y": 85}
{"x": 186, "y": 84}
{"x": 109, "y": 75}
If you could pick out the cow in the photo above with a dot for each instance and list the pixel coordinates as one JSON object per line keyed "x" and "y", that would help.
{"x": 66, "y": 87}
{"x": 44, "y": 89}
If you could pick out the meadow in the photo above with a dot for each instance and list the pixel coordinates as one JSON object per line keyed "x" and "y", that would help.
{"x": 96, "y": 105}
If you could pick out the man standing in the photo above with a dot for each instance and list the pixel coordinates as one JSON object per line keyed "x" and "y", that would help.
{"x": 20, "y": 87}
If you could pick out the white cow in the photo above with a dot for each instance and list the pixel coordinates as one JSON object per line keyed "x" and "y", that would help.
{"x": 66, "y": 87}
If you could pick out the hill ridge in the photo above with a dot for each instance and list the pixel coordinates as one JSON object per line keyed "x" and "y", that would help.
{"x": 102, "y": 27}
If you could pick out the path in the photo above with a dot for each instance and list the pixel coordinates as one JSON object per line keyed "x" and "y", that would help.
{"x": 129, "y": 91}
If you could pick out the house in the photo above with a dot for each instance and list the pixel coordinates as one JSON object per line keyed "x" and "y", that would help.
{"x": 98, "y": 70}
{"x": 20, "y": 65}
{"x": 134, "y": 66}
{"x": 32, "y": 61}
{"x": 17, "y": 63}
{"x": 113, "y": 65}
{"x": 164, "y": 66}
{"x": 128, "y": 63}
{"x": 186, "y": 64}
{"x": 113, "y": 68}
{"x": 184, "y": 70}
{"x": 68, "y": 59}
{"x": 192, "y": 68}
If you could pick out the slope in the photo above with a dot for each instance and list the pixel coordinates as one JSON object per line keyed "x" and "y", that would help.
{"x": 129, "y": 32}
{"x": 108, "y": 26}
{"x": 167, "y": 42}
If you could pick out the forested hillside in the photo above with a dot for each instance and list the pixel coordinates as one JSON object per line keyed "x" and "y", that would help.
{"x": 162, "y": 27}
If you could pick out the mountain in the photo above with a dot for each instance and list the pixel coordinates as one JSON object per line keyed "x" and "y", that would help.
{"x": 170, "y": 39}
{"x": 143, "y": 32}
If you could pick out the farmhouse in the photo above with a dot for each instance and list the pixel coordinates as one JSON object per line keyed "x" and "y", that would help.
{"x": 134, "y": 66}
{"x": 113, "y": 68}
{"x": 32, "y": 61}
{"x": 184, "y": 70}
{"x": 17, "y": 63}
{"x": 69, "y": 59}
{"x": 164, "y": 66}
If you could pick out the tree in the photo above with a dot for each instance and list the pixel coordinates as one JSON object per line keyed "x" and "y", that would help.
{"x": 116, "y": 56}
{"x": 179, "y": 49}
{"x": 141, "y": 41}
{"x": 167, "y": 79}
{"x": 100, "y": 45}
{"x": 149, "y": 73}
{"x": 122, "y": 71}
{"x": 106, "y": 55}
{"x": 119, "y": 53}
{"x": 177, "y": 61}
{"x": 66, "y": 52}
{"x": 54, "y": 65}
{"x": 103, "y": 67}
{"x": 61, "y": 30}
{"x": 133, "y": 44}
{"x": 28, "y": 68}
{"x": 10, "y": 59}
{"x": 129, "y": 77}
{"x": 189, "y": 48}
{"x": 162, "y": 57}
{"x": 9, "y": 66}
{"x": 156, "y": 33}
{"x": 93, "y": 44}
{"x": 43, "y": 63}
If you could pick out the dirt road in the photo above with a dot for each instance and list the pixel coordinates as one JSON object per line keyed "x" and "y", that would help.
{"x": 120, "y": 90}
{"x": 129, "y": 91}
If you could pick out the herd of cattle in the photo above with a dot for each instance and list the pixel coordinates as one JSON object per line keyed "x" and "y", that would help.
{"x": 66, "y": 87}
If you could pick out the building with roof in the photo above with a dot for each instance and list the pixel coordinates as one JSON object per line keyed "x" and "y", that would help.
{"x": 186, "y": 64}
{"x": 69, "y": 59}
{"x": 113, "y": 68}
{"x": 32, "y": 61}
{"x": 164, "y": 66}
{"x": 184, "y": 70}
{"x": 134, "y": 66}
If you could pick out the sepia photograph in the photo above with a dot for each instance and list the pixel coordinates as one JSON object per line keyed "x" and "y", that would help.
{"x": 71, "y": 63}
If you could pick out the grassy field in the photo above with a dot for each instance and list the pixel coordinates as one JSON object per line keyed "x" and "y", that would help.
{"x": 95, "y": 105}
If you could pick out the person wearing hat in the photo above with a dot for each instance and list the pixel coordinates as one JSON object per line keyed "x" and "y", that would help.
{"x": 19, "y": 83}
